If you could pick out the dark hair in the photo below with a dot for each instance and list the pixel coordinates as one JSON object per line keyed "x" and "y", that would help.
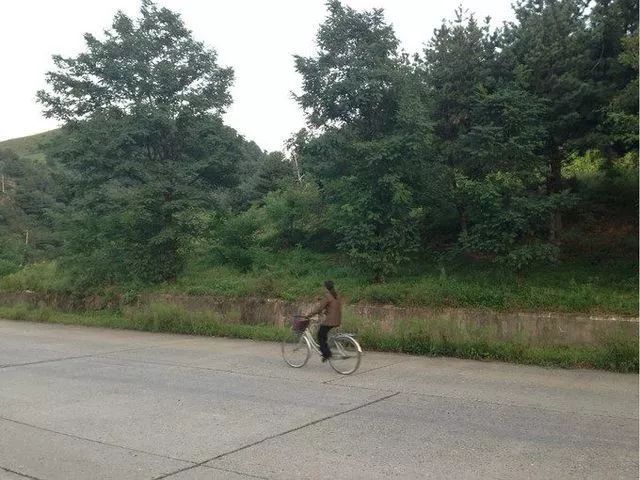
{"x": 329, "y": 285}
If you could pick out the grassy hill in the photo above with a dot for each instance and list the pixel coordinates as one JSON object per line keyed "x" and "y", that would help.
{"x": 30, "y": 147}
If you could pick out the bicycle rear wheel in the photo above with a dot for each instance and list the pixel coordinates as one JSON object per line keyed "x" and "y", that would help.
{"x": 345, "y": 354}
{"x": 296, "y": 349}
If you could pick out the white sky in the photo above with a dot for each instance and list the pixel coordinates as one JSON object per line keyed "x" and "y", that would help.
{"x": 256, "y": 37}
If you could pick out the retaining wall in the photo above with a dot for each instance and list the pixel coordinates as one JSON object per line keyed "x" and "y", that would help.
{"x": 548, "y": 328}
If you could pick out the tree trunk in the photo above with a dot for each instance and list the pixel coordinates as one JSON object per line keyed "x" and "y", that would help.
{"x": 296, "y": 168}
{"x": 170, "y": 273}
{"x": 463, "y": 219}
{"x": 554, "y": 185}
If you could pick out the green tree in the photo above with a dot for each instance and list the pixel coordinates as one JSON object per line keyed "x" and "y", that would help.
{"x": 144, "y": 147}
{"x": 351, "y": 79}
{"x": 567, "y": 53}
{"x": 378, "y": 227}
{"x": 549, "y": 51}
{"x": 614, "y": 52}
{"x": 483, "y": 120}
{"x": 357, "y": 150}
{"x": 290, "y": 217}
{"x": 259, "y": 175}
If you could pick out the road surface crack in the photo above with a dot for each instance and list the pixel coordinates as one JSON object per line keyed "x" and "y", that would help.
{"x": 89, "y": 355}
{"x": 365, "y": 371}
{"x": 277, "y": 435}
{"x": 106, "y": 444}
{"x": 23, "y": 475}
{"x": 234, "y": 471}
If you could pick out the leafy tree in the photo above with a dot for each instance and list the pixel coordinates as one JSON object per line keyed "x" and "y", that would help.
{"x": 145, "y": 149}
{"x": 378, "y": 240}
{"x": 613, "y": 29}
{"x": 259, "y": 175}
{"x": 273, "y": 173}
{"x": 351, "y": 79}
{"x": 149, "y": 64}
{"x": 457, "y": 66}
{"x": 567, "y": 53}
{"x": 483, "y": 120}
{"x": 550, "y": 54}
{"x": 360, "y": 154}
{"x": 291, "y": 216}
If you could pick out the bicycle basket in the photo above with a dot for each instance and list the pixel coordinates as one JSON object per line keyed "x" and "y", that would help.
{"x": 299, "y": 323}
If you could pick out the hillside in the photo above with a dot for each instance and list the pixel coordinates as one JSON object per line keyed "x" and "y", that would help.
{"x": 598, "y": 272}
{"x": 29, "y": 147}
{"x": 27, "y": 201}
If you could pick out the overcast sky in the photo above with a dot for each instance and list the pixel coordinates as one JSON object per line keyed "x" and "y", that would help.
{"x": 256, "y": 37}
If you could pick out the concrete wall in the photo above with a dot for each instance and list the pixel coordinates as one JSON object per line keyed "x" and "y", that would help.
{"x": 545, "y": 328}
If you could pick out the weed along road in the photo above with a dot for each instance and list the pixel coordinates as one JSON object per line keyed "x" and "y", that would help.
{"x": 86, "y": 403}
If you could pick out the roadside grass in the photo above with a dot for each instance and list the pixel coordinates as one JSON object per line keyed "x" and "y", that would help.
{"x": 585, "y": 287}
{"x": 601, "y": 287}
{"x": 156, "y": 317}
{"x": 615, "y": 353}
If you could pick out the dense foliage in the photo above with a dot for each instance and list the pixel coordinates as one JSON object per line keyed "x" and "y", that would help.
{"x": 509, "y": 145}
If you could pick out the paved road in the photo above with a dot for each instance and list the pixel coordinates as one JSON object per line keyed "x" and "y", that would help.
{"x": 81, "y": 403}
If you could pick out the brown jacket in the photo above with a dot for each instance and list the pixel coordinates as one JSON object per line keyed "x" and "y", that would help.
{"x": 332, "y": 308}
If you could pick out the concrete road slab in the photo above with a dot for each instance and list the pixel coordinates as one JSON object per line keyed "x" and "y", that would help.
{"x": 426, "y": 437}
{"x": 244, "y": 356}
{"x": 33, "y": 452}
{"x": 182, "y": 412}
{"x": 208, "y": 473}
{"x": 585, "y": 391}
{"x": 26, "y": 342}
{"x": 125, "y": 405}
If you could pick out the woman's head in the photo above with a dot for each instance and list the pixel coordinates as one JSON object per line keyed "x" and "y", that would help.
{"x": 331, "y": 288}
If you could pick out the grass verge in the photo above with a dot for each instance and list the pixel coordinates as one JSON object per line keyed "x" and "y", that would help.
{"x": 156, "y": 317}
{"x": 597, "y": 288}
{"x": 616, "y": 353}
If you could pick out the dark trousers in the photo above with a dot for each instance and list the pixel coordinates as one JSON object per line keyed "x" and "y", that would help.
{"x": 323, "y": 331}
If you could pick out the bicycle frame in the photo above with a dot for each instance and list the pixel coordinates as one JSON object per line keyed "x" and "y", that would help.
{"x": 312, "y": 341}
{"x": 341, "y": 350}
{"x": 316, "y": 347}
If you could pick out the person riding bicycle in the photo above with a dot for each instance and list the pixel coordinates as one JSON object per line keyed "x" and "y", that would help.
{"x": 331, "y": 307}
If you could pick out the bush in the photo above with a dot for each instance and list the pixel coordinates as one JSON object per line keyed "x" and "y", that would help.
{"x": 507, "y": 223}
{"x": 292, "y": 216}
{"x": 234, "y": 241}
{"x": 605, "y": 186}
{"x": 7, "y": 267}
{"x": 38, "y": 277}
{"x": 12, "y": 255}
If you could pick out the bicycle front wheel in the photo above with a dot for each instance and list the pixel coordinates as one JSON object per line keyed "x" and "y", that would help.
{"x": 345, "y": 354}
{"x": 296, "y": 349}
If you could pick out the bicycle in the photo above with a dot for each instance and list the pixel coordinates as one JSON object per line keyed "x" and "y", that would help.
{"x": 298, "y": 344}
